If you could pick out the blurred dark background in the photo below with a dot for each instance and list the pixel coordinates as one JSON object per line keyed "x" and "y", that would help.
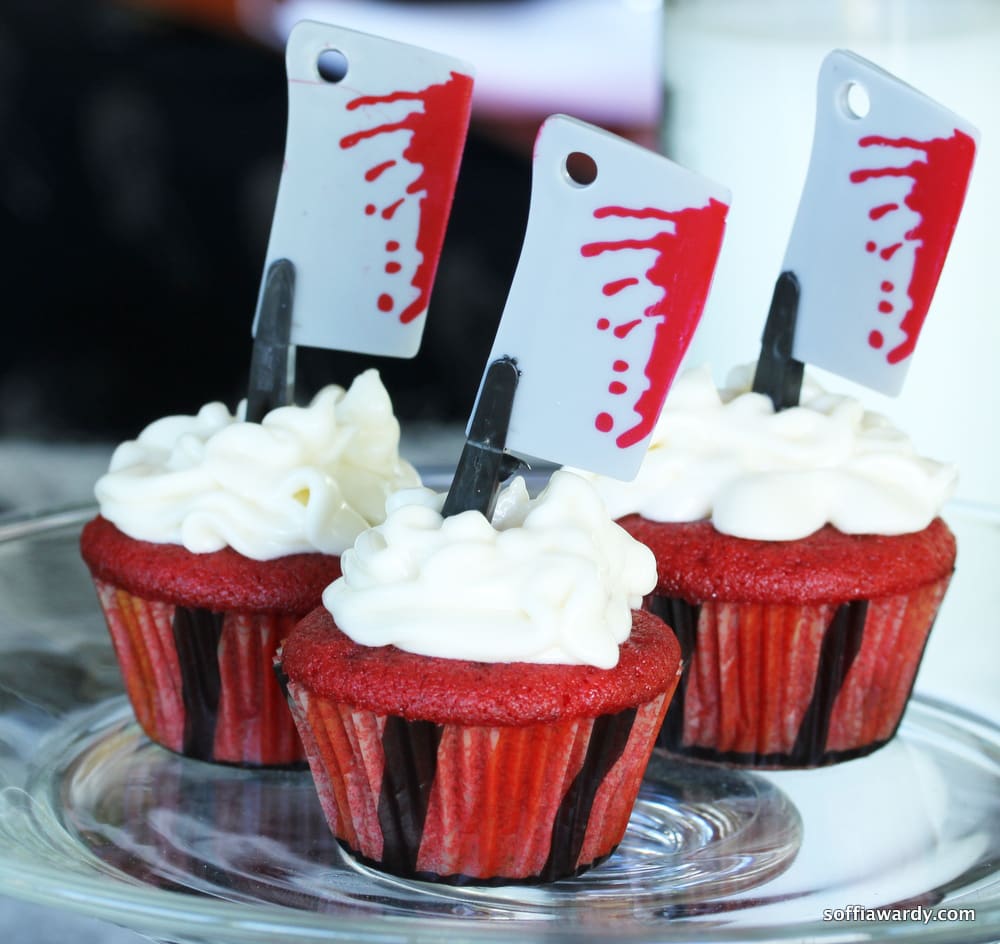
{"x": 139, "y": 164}
{"x": 140, "y": 150}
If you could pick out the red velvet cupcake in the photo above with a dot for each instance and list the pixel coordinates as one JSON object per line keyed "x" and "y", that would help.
{"x": 195, "y": 636}
{"x": 797, "y": 654}
{"x": 801, "y": 562}
{"x": 490, "y": 717}
{"x": 467, "y": 772}
{"x": 215, "y": 536}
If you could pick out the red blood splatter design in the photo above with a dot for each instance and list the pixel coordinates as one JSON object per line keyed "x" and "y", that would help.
{"x": 620, "y": 366}
{"x": 373, "y": 173}
{"x": 391, "y": 246}
{"x": 938, "y": 190}
{"x": 878, "y": 212}
{"x": 390, "y": 211}
{"x": 613, "y": 288}
{"x": 392, "y": 267}
{"x": 438, "y": 132}
{"x": 624, "y": 330}
{"x": 621, "y": 331}
{"x": 887, "y": 286}
{"x": 885, "y": 307}
{"x": 616, "y": 387}
{"x": 683, "y": 267}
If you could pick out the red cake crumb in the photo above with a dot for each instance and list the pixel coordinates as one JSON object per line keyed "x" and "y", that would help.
{"x": 218, "y": 581}
{"x": 698, "y": 563}
{"x": 389, "y": 681}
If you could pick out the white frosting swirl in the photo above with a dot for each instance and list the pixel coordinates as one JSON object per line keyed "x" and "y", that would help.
{"x": 551, "y": 579}
{"x": 726, "y": 455}
{"x": 304, "y": 479}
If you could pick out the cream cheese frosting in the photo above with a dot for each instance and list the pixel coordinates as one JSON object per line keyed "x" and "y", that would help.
{"x": 550, "y": 579}
{"x": 756, "y": 473}
{"x": 304, "y": 479}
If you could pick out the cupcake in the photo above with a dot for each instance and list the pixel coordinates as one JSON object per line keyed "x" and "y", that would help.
{"x": 214, "y": 537}
{"x": 801, "y": 562}
{"x": 479, "y": 699}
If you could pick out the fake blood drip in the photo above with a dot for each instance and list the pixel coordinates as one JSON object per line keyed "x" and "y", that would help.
{"x": 685, "y": 260}
{"x": 936, "y": 195}
{"x": 434, "y": 149}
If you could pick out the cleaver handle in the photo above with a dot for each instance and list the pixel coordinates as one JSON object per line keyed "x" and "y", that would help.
{"x": 272, "y": 363}
{"x": 483, "y": 462}
{"x": 778, "y": 374}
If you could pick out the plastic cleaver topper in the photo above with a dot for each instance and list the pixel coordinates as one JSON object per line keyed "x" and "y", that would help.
{"x": 610, "y": 285}
{"x": 881, "y": 201}
{"x": 371, "y": 161}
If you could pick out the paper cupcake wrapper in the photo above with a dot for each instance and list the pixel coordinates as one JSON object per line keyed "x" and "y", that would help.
{"x": 769, "y": 685}
{"x": 476, "y": 805}
{"x": 202, "y": 683}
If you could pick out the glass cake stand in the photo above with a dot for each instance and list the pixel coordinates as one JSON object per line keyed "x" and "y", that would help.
{"x": 96, "y": 819}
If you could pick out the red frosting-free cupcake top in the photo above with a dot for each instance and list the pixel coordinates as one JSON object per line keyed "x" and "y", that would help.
{"x": 698, "y": 563}
{"x": 389, "y": 681}
{"x": 218, "y": 581}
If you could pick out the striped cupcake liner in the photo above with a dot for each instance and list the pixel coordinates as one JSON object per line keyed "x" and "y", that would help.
{"x": 770, "y": 685}
{"x": 476, "y": 805}
{"x": 202, "y": 683}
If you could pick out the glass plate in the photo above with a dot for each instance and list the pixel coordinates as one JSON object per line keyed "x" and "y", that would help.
{"x": 95, "y": 818}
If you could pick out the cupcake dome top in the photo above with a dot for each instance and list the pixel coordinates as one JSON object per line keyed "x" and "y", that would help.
{"x": 218, "y": 581}
{"x": 389, "y": 681}
{"x": 697, "y": 562}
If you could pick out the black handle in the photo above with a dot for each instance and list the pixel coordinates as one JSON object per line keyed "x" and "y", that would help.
{"x": 778, "y": 374}
{"x": 272, "y": 364}
{"x": 483, "y": 463}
